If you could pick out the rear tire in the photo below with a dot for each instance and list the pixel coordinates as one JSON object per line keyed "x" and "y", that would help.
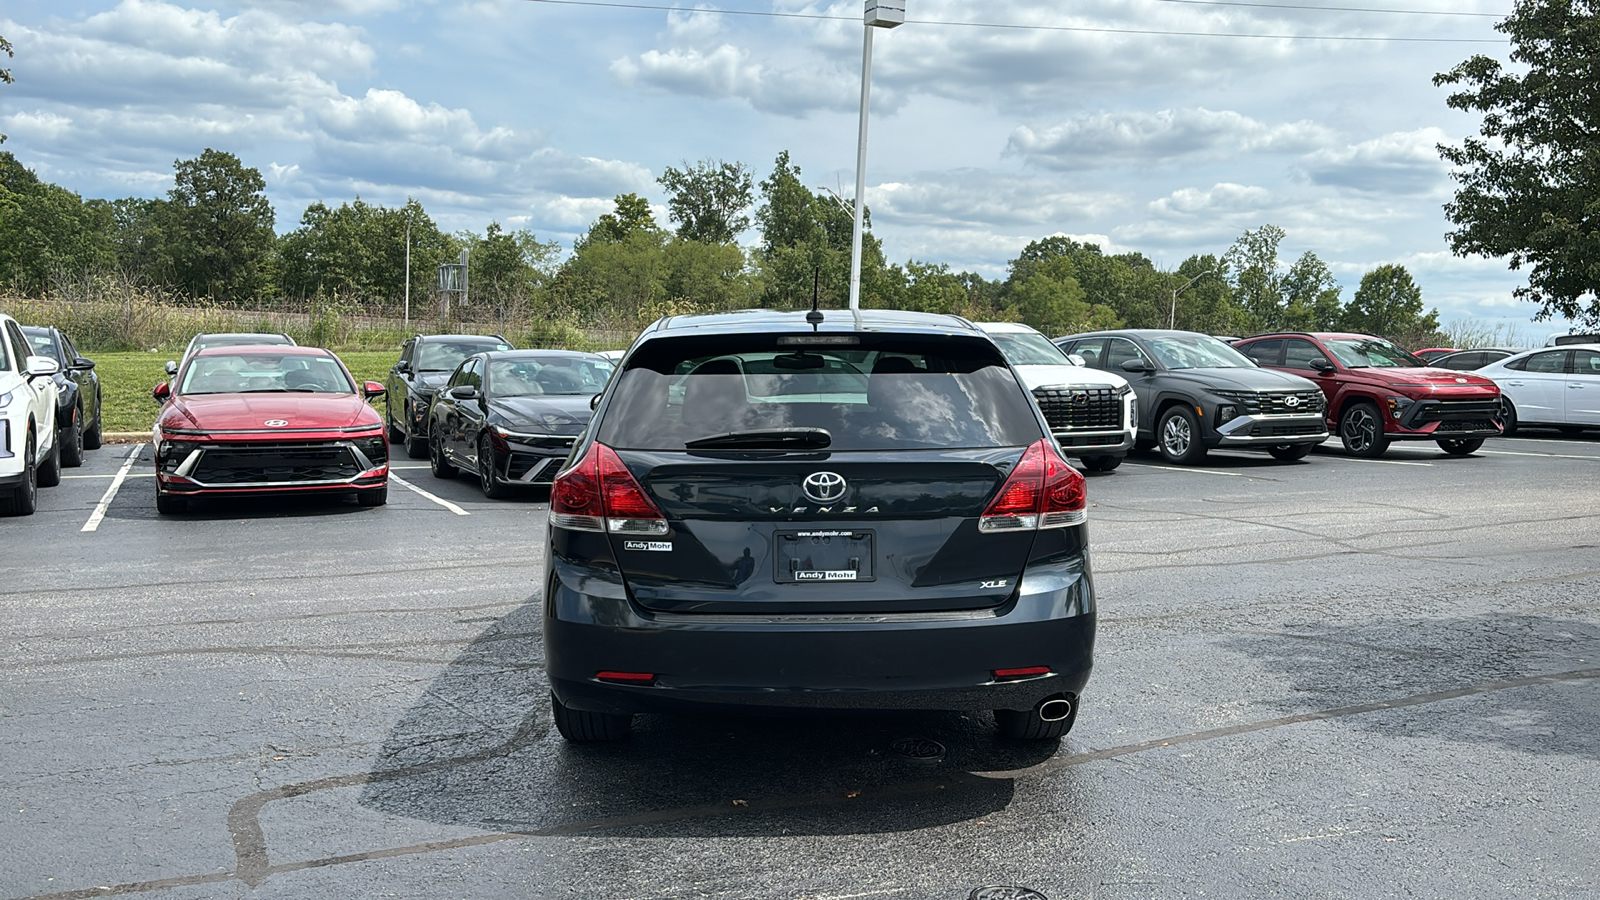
{"x": 395, "y": 435}
{"x": 1290, "y": 452}
{"x": 70, "y": 439}
{"x": 1178, "y": 436}
{"x": 582, "y": 727}
{"x": 373, "y": 496}
{"x": 1025, "y": 725}
{"x": 1361, "y": 431}
{"x": 1102, "y": 463}
{"x": 91, "y": 437}
{"x": 1459, "y": 446}
{"x": 50, "y": 468}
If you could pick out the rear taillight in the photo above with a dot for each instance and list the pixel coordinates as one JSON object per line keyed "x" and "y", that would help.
{"x": 600, "y": 494}
{"x": 1043, "y": 491}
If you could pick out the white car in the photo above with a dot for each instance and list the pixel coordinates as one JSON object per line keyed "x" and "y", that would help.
{"x": 29, "y": 455}
{"x": 1092, "y": 413}
{"x": 1557, "y": 386}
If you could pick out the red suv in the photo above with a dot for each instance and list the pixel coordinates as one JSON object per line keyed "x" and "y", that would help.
{"x": 1378, "y": 393}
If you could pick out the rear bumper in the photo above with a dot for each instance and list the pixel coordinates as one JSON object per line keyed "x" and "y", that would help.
{"x": 939, "y": 661}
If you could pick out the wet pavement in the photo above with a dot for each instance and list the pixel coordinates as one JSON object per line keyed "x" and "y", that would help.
{"x": 1331, "y": 678}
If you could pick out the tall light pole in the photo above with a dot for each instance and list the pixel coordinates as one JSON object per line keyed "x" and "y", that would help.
{"x": 406, "y": 315}
{"x": 879, "y": 14}
{"x": 1172, "y": 317}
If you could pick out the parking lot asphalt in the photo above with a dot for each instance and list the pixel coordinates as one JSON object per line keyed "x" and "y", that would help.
{"x": 1329, "y": 678}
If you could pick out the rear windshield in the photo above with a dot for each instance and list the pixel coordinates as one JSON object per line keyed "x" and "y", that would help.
{"x": 444, "y": 356}
{"x": 1026, "y": 349}
{"x": 887, "y": 392}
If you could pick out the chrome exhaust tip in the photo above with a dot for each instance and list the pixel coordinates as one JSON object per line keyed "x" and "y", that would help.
{"x": 1054, "y": 710}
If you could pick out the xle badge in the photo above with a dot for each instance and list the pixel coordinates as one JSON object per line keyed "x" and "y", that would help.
{"x": 652, "y": 546}
{"x": 987, "y": 585}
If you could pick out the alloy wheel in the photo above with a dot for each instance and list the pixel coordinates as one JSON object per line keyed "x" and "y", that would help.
{"x": 1360, "y": 429}
{"x": 1175, "y": 436}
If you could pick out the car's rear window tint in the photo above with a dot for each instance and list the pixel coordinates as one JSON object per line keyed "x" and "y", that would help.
{"x": 887, "y": 392}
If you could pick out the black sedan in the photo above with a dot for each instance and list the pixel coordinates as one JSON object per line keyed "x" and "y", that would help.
{"x": 512, "y": 416}
{"x": 77, "y": 392}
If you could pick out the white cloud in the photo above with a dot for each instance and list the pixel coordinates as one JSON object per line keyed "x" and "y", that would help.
{"x": 1119, "y": 139}
{"x": 1404, "y": 162}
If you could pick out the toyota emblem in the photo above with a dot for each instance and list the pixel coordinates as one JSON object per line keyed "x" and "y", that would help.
{"x": 823, "y": 487}
{"x": 1291, "y": 401}
{"x": 275, "y": 423}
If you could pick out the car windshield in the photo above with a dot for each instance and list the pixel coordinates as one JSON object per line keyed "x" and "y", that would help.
{"x": 886, "y": 392}
{"x": 1361, "y": 353}
{"x": 444, "y": 356}
{"x": 547, "y": 375}
{"x": 1028, "y": 349}
{"x": 237, "y": 340}
{"x": 251, "y": 373}
{"x": 1197, "y": 352}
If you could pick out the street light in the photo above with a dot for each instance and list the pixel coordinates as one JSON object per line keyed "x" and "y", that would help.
{"x": 1172, "y": 317}
{"x": 879, "y": 14}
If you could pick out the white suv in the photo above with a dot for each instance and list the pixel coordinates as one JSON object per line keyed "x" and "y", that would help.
{"x": 29, "y": 453}
{"x": 1092, "y": 413}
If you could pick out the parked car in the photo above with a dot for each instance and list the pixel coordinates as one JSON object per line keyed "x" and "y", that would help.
{"x": 1429, "y": 354}
{"x": 613, "y": 355}
{"x": 426, "y": 361}
{"x": 1092, "y": 413}
{"x": 250, "y": 420}
{"x": 1557, "y": 386}
{"x": 30, "y": 454}
{"x": 229, "y": 339}
{"x": 1196, "y": 393}
{"x": 511, "y": 416}
{"x": 1378, "y": 393}
{"x": 865, "y": 514}
{"x": 1563, "y": 338}
{"x": 1468, "y": 360}
{"x": 77, "y": 392}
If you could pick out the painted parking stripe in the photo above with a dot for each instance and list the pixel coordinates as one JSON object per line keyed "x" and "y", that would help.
{"x": 111, "y": 475}
{"x": 1387, "y": 462}
{"x": 111, "y": 492}
{"x": 439, "y": 500}
{"x": 1188, "y": 469}
{"x": 1544, "y": 455}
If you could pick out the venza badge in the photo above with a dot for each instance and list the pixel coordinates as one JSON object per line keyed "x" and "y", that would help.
{"x": 823, "y": 487}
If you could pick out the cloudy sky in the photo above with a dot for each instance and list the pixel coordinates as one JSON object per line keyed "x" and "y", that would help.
{"x": 1145, "y": 125}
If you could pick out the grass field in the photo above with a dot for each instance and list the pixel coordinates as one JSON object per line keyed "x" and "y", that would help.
{"x": 126, "y": 380}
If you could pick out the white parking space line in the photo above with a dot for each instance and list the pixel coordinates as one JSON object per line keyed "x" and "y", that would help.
{"x": 111, "y": 475}
{"x": 392, "y": 466}
{"x": 439, "y": 500}
{"x": 1387, "y": 462}
{"x": 1186, "y": 469}
{"x": 111, "y": 492}
{"x": 1545, "y": 455}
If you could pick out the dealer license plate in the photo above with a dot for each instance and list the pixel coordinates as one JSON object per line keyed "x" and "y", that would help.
{"x": 823, "y": 556}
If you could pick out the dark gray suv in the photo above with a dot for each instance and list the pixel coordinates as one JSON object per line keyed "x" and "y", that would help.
{"x": 859, "y": 511}
{"x": 1197, "y": 393}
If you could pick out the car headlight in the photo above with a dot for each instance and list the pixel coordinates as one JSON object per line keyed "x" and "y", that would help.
{"x": 1124, "y": 390}
{"x": 172, "y": 454}
{"x": 5, "y": 399}
{"x": 1226, "y": 413}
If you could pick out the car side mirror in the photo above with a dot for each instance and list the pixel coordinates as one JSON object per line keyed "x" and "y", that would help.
{"x": 161, "y": 392}
{"x": 42, "y": 367}
{"x": 594, "y": 402}
{"x": 1322, "y": 365}
{"x": 403, "y": 368}
{"x": 1076, "y": 360}
{"x": 172, "y": 367}
{"x": 372, "y": 389}
{"x": 1136, "y": 365}
{"x": 81, "y": 362}
{"x": 464, "y": 392}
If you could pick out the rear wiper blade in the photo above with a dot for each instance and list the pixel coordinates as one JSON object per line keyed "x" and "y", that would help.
{"x": 810, "y": 438}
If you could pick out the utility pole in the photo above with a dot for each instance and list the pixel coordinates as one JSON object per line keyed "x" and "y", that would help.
{"x": 407, "y": 314}
{"x": 1172, "y": 317}
{"x": 878, "y": 14}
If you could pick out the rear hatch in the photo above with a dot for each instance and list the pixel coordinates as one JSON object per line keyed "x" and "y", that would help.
{"x": 819, "y": 480}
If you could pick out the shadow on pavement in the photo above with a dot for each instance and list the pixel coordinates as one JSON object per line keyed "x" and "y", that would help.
{"x": 479, "y": 750}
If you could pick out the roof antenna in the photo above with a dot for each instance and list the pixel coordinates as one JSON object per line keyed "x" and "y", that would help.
{"x": 814, "y": 318}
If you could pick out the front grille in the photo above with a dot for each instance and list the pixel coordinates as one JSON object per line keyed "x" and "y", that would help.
{"x": 254, "y": 463}
{"x": 1069, "y": 408}
{"x": 1459, "y": 411}
{"x": 1276, "y": 403}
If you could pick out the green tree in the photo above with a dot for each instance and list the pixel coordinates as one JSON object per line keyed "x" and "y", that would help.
{"x": 708, "y": 200}
{"x": 220, "y": 223}
{"x": 1310, "y": 296}
{"x": 357, "y": 251}
{"x": 631, "y": 215}
{"x": 1529, "y": 187}
{"x": 1257, "y": 284}
{"x": 47, "y": 230}
{"x": 1389, "y": 304}
{"x": 1199, "y": 298}
{"x": 805, "y": 240}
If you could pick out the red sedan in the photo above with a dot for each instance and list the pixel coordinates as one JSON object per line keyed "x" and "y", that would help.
{"x": 267, "y": 420}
